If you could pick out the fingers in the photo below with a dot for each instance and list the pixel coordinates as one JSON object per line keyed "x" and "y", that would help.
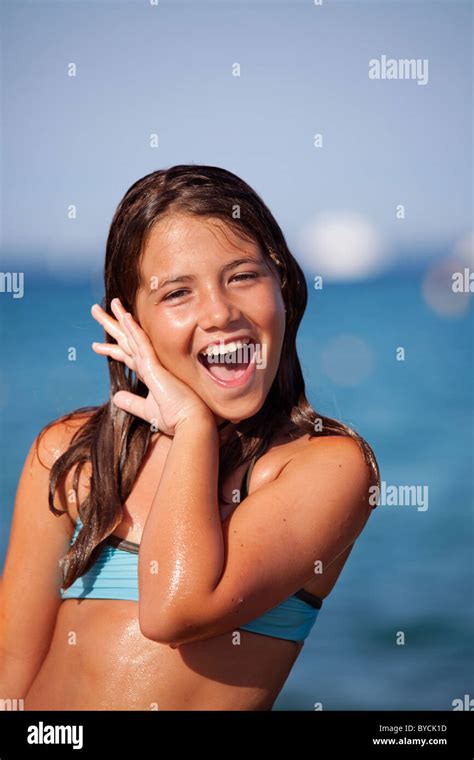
{"x": 139, "y": 339}
{"x": 120, "y": 313}
{"x": 111, "y": 326}
{"x": 133, "y": 343}
{"x": 113, "y": 350}
{"x": 131, "y": 403}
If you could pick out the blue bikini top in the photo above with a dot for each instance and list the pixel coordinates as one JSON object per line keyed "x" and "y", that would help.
{"x": 114, "y": 575}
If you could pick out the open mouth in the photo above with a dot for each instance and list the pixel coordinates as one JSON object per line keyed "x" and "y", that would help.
{"x": 230, "y": 365}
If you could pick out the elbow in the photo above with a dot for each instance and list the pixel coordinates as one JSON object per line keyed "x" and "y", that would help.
{"x": 157, "y": 630}
{"x": 163, "y": 628}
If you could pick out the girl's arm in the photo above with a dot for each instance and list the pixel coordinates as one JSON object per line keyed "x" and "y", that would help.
{"x": 199, "y": 578}
{"x": 181, "y": 554}
{"x": 31, "y": 579}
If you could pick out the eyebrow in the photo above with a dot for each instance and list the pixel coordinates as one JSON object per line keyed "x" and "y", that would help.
{"x": 190, "y": 277}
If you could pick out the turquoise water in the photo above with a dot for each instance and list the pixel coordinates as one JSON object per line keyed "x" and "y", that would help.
{"x": 411, "y": 571}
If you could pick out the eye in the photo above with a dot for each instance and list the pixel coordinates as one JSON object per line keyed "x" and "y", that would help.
{"x": 177, "y": 293}
{"x": 252, "y": 275}
{"x": 173, "y": 295}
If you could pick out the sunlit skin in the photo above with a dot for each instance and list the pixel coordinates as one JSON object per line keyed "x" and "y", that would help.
{"x": 115, "y": 663}
{"x": 182, "y": 317}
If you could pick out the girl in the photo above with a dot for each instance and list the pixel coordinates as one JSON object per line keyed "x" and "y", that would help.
{"x": 206, "y": 510}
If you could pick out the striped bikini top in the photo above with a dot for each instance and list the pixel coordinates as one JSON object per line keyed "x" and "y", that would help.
{"x": 114, "y": 575}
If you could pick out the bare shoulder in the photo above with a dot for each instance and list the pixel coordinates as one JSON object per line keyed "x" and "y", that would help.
{"x": 343, "y": 449}
{"x": 330, "y": 457}
{"x": 51, "y": 443}
{"x": 340, "y": 459}
{"x": 307, "y": 514}
{"x": 38, "y": 540}
{"x": 53, "y": 440}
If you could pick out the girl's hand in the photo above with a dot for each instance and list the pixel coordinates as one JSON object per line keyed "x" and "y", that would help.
{"x": 170, "y": 401}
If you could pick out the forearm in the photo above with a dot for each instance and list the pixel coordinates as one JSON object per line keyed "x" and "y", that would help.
{"x": 16, "y": 678}
{"x": 181, "y": 556}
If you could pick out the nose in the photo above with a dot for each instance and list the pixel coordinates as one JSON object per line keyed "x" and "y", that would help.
{"x": 216, "y": 310}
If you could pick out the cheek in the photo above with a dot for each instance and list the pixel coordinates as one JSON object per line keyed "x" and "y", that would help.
{"x": 165, "y": 341}
{"x": 165, "y": 335}
{"x": 171, "y": 344}
{"x": 275, "y": 321}
{"x": 273, "y": 328}
{"x": 268, "y": 308}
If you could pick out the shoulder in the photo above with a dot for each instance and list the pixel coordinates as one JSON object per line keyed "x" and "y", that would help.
{"x": 309, "y": 510}
{"x": 51, "y": 443}
{"x": 322, "y": 478}
{"x": 343, "y": 450}
{"x": 329, "y": 457}
{"x": 54, "y": 439}
{"x": 315, "y": 476}
{"x": 339, "y": 464}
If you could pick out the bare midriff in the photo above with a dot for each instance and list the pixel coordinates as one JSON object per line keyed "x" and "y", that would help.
{"x": 99, "y": 659}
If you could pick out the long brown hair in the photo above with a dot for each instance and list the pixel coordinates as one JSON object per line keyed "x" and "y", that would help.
{"x": 115, "y": 442}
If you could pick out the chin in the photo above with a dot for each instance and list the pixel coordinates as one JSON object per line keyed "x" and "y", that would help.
{"x": 244, "y": 411}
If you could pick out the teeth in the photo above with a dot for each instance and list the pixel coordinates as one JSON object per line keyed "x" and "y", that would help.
{"x": 229, "y": 348}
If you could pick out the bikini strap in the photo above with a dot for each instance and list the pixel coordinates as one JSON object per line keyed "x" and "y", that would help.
{"x": 132, "y": 547}
{"x": 244, "y": 488}
{"x": 311, "y": 599}
{"x": 123, "y": 543}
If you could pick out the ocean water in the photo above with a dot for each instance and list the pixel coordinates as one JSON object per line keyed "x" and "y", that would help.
{"x": 411, "y": 570}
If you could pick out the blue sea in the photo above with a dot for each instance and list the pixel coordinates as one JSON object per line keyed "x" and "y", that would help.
{"x": 396, "y": 633}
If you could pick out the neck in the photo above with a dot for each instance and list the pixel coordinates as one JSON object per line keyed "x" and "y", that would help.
{"x": 225, "y": 430}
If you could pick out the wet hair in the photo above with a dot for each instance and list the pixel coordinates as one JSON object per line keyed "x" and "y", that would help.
{"x": 114, "y": 442}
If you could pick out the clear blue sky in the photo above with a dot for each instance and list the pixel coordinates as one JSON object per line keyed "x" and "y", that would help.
{"x": 167, "y": 69}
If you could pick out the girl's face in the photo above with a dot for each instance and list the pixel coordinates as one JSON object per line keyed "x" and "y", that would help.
{"x": 222, "y": 291}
